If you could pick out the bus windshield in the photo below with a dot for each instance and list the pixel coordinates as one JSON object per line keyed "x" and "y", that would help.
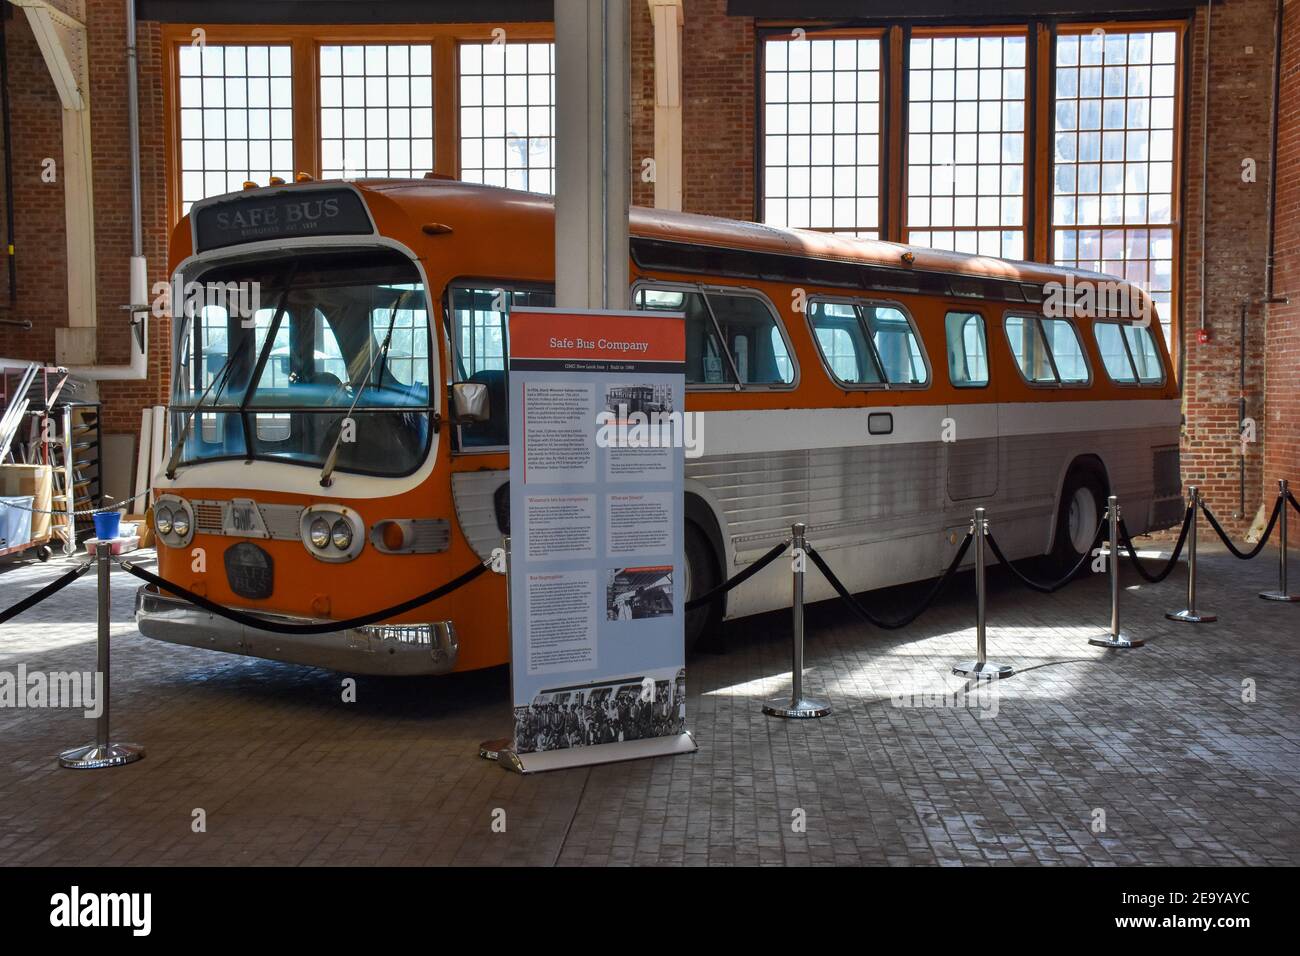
{"x": 283, "y": 348}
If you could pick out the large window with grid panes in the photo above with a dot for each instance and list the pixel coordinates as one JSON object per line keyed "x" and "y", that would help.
{"x": 253, "y": 104}
{"x": 1052, "y": 142}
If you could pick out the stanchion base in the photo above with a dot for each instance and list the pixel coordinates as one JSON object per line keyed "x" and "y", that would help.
{"x": 797, "y": 707}
{"x": 491, "y": 749}
{"x": 1116, "y": 641}
{"x": 1191, "y": 617}
{"x": 1279, "y": 596}
{"x": 93, "y": 756}
{"x": 983, "y": 670}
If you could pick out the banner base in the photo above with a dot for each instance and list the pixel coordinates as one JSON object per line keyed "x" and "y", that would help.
{"x": 600, "y": 753}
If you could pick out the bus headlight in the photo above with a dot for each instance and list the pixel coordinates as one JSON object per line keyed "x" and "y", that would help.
{"x": 173, "y": 519}
{"x": 332, "y": 533}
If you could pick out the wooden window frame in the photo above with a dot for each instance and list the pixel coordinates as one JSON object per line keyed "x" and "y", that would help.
{"x": 305, "y": 41}
{"x": 1181, "y": 30}
{"x": 1031, "y": 131}
{"x": 888, "y": 57}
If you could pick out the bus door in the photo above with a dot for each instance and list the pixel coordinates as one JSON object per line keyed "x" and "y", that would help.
{"x": 971, "y": 428}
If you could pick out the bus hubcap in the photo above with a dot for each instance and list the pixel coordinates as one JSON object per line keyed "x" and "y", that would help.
{"x": 1082, "y": 520}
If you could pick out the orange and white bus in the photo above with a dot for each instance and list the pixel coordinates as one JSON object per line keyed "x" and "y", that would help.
{"x": 877, "y": 392}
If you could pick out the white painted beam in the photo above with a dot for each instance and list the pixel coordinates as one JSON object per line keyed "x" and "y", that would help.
{"x": 593, "y": 178}
{"x": 61, "y": 36}
{"x": 667, "y": 18}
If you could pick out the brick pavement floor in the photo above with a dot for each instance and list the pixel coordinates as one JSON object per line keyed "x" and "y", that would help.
{"x": 1162, "y": 740}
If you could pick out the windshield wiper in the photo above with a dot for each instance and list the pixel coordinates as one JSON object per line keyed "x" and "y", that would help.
{"x": 224, "y": 373}
{"x": 222, "y": 376}
{"x": 327, "y": 470}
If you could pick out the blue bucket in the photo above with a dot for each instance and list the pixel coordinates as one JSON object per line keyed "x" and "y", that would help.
{"x": 106, "y": 524}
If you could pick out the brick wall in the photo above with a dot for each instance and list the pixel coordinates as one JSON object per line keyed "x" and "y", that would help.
{"x": 41, "y": 252}
{"x": 1233, "y": 254}
{"x": 1282, "y": 335}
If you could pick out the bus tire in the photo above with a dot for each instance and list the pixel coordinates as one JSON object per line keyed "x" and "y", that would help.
{"x": 702, "y": 576}
{"x": 1083, "y": 502}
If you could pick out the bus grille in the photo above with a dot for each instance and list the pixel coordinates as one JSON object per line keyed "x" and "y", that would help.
{"x": 207, "y": 517}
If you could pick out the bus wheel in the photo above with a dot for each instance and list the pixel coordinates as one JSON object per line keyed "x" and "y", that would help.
{"x": 1082, "y": 505}
{"x": 701, "y": 577}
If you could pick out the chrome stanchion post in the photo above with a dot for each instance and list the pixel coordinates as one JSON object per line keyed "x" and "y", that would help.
{"x": 1115, "y": 638}
{"x": 1281, "y": 594}
{"x": 981, "y": 668}
{"x": 103, "y": 752}
{"x": 1189, "y": 614}
{"x": 491, "y": 749}
{"x": 797, "y": 705}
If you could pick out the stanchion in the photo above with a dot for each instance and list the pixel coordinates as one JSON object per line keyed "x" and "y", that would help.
{"x": 103, "y": 752}
{"x": 1281, "y": 594}
{"x": 1115, "y": 638}
{"x": 797, "y": 705}
{"x": 1189, "y": 614}
{"x": 492, "y": 749}
{"x": 981, "y": 667}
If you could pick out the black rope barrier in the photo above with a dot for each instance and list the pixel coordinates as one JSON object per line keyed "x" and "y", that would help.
{"x": 329, "y": 627}
{"x": 907, "y": 619}
{"x": 1055, "y": 585}
{"x": 58, "y": 584}
{"x": 739, "y": 578}
{"x": 1223, "y": 535}
{"x": 1294, "y": 504}
{"x": 1159, "y": 576}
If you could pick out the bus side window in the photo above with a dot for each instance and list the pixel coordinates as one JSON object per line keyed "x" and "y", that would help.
{"x": 844, "y": 348}
{"x": 1067, "y": 351}
{"x": 705, "y": 363}
{"x": 753, "y": 339}
{"x": 1150, "y": 370}
{"x": 479, "y": 335}
{"x": 968, "y": 364}
{"x": 1114, "y": 353}
{"x": 897, "y": 346}
{"x": 1030, "y": 350}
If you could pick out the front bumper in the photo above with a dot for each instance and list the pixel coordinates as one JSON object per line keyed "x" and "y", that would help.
{"x": 394, "y": 650}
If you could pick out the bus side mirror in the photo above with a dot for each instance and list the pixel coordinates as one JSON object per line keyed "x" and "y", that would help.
{"x": 469, "y": 401}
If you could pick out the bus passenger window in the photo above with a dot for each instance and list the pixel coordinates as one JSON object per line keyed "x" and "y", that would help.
{"x": 968, "y": 364}
{"x": 896, "y": 344}
{"x": 705, "y": 363}
{"x": 1067, "y": 351}
{"x": 754, "y": 342}
{"x": 843, "y": 344}
{"x": 1114, "y": 353}
{"x": 1030, "y": 350}
{"x": 1142, "y": 347}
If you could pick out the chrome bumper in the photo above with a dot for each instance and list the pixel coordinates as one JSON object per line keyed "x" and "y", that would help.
{"x": 394, "y": 650}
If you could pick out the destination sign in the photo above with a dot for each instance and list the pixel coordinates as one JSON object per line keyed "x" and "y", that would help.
{"x": 287, "y": 213}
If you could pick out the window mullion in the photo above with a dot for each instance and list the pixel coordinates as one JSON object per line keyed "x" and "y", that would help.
{"x": 306, "y": 107}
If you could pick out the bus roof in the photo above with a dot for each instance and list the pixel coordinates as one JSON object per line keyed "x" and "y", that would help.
{"x": 485, "y": 203}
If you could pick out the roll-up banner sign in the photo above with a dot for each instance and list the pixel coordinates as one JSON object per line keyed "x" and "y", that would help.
{"x": 597, "y": 586}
